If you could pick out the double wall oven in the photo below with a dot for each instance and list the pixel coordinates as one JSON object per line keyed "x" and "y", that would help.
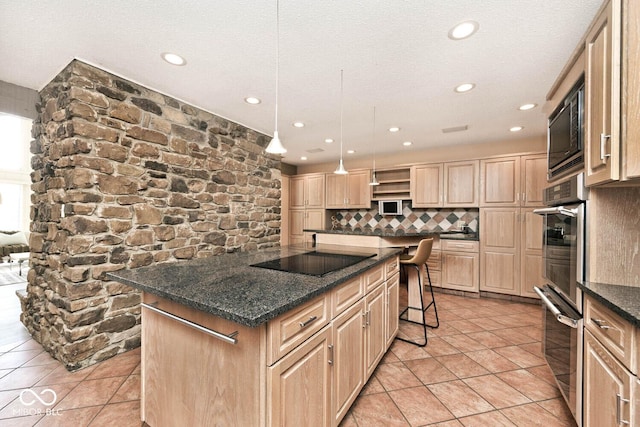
{"x": 563, "y": 253}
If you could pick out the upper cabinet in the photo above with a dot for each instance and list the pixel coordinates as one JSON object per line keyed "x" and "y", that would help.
{"x": 307, "y": 191}
{"x": 612, "y": 84}
{"x": 427, "y": 185}
{"x": 513, "y": 181}
{"x": 350, "y": 191}
{"x": 452, "y": 184}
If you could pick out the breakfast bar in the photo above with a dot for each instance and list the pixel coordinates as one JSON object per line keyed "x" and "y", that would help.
{"x": 229, "y": 340}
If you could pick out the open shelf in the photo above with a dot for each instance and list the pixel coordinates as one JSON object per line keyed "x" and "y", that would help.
{"x": 394, "y": 184}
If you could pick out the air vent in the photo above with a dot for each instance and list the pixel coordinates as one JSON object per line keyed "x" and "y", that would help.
{"x": 575, "y": 163}
{"x": 315, "y": 150}
{"x": 455, "y": 129}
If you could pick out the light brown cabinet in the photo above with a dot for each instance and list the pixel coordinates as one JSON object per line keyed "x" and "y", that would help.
{"x": 460, "y": 265}
{"x": 451, "y": 184}
{"x": 305, "y": 367}
{"x": 307, "y": 191}
{"x": 511, "y": 251}
{"x": 393, "y": 184}
{"x": 350, "y": 191}
{"x": 301, "y": 219}
{"x": 610, "y": 368}
{"x": 612, "y": 84}
{"x": 513, "y": 181}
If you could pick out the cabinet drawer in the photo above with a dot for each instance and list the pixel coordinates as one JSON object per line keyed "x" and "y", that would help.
{"x": 436, "y": 277}
{"x": 346, "y": 295}
{"x": 435, "y": 261}
{"x": 392, "y": 267}
{"x": 460, "y": 245}
{"x": 615, "y": 333}
{"x": 374, "y": 277}
{"x": 288, "y": 330}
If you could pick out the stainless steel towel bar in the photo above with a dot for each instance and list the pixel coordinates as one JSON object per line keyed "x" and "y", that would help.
{"x": 231, "y": 338}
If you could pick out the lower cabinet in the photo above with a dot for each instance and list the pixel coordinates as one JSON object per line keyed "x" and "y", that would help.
{"x": 392, "y": 310}
{"x": 300, "y": 219}
{"x": 460, "y": 265}
{"x": 610, "y": 368}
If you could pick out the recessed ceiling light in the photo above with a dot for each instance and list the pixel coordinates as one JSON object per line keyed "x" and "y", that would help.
{"x": 465, "y": 87}
{"x": 328, "y": 140}
{"x": 174, "y": 59}
{"x": 463, "y": 30}
{"x": 252, "y": 100}
{"x": 525, "y": 107}
{"x": 394, "y": 129}
{"x": 298, "y": 124}
{"x": 303, "y": 158}
{"x": 407, "y": 143}
{"x": 516, "y": 129}
{"x": 351, "y": 151}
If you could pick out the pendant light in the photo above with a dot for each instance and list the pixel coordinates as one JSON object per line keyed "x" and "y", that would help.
{"x": 275, "y": 146}
{"x": 341, "y": 170}
{"x": 374, "y": 181}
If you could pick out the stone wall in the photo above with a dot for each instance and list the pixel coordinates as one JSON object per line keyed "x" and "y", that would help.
{"x": 126, "y": 177}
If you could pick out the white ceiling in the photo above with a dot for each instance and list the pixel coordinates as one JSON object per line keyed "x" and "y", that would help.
{"x": 395, "y": 54}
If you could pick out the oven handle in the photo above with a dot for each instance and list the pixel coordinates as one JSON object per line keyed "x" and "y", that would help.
{"x": 554, "y": 310}
{"x": 557, "y": 210}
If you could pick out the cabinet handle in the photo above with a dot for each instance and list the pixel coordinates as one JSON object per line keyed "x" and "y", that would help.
{"x": 368, "y": 317}
{"x": 600, "y": 323}
{"x": 308, "y": 322}
{"x": 231, "y": 338}
{"x": 364, "y": 320}
{"x": 603, "y": 140}
{"x": 330, "y": 361}
{"x": 619, "y": 401}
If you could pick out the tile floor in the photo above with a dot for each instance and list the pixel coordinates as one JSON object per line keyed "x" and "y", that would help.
{"x": 482, "y": 367}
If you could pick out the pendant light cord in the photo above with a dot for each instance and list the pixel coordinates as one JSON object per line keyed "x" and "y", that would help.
{"x": 277, "y": 56}
{"x": 373, "y": 138}
{"x": 341, "y": 109}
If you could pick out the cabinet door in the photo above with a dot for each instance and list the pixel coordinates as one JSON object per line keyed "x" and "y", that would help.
{"x": 296, "y": 192}
{"x": 631, "y": 88}
{"x": 375, "y": 333}
{"x": 392, "y": 302}
{"x": 531, "y": 249}
{"x": 296, "y": 225}
{"x": 427, "y": 185}
{"x": 314, "y": 220}
{"x": 533, "y": 179}
{"x": 606, "y": 383}
{"x": 300, "y": 385}
{"x": 336, "y": 191}
{"x": 314, "y": 191}
{"x": 461, "y": 184}
{"x": 500, "y": 182}
{"x": 499, "y": 253}
{"x": 348, "y": 359}
{"x": 460, "y": 271}
{"x": 602, "y": 97}
{"x": 358, "y": 190}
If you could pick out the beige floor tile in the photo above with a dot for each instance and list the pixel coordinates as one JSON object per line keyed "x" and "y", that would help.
{"x": 489, "y": 339}
{"x": 29, "y": 421}
{"x": 60, "y": 375}
{"x": 452, "y": 423}
{"x": 377, "y": 410}
{"x": 15, "y": 359}
{"x": 394, "y": 376}
{"x": 372, "y": 386}
{"x": 459, "y": 398}
{"x": 488, "y": 419}
{"x": 407, "y": 351}
{"x": 514, "y": 336}
{"x": 118, "y": 366}
{"x": 463, "y": 343}
{"x": 430, "y": 371}
{"x": 496, "y": 392}
{"x": 532, "y": 415}
{"x": 30, "y": 405}
{"x": 492, "y": 361}
{"x": 129, "y": 390}
{"x": 30, "y": 344}
{"x": 348, "y": 421}
{"x": 529, "y": 385}
{"x": 91, "y": 393}
{"x": 462, "y": 365}
{"x": 520, "y": 356}
{"x": 43, "y": 358}
{"x": 22, "y": 378}
{"x": 543, "y": 372}
{"x": 439, "y": 347}
{"x": 72, "y": 417}
{"x": 559, "y": 409}
{"x": 466, "y": 326}
{"x": 419, "y": 406}
{"x": 125, "y": 414}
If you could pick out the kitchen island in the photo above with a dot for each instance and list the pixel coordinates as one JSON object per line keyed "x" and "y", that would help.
{"x": 227, "y": 343}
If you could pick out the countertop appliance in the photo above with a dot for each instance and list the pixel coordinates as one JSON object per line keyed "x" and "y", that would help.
{"x": 313, "y": 263}
{"x": 563, "y": 258}
{"x": 565, "y": 135}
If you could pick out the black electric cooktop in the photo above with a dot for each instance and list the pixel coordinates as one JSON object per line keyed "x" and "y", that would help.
{"x": 313, "y": 263}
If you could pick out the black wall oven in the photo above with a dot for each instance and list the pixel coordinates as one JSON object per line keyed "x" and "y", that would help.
{"x": 563, "y": 260}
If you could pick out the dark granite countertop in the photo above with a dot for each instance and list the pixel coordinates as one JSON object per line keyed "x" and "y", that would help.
{"x": 382, "y": 232}
{"x": 229, "y": 287}
{"x": 623, "y": 300}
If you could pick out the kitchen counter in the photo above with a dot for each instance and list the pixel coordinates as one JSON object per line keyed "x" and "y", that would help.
{"x": 382, "y": 232}
{"x": 623, "y": 300}
{"x": 227, "y": 286}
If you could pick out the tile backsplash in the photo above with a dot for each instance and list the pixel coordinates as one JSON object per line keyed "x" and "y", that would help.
{"x": 436, "y": 219}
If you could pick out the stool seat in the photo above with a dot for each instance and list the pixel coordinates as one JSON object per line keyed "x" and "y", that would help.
{"x": 416, "y": 260}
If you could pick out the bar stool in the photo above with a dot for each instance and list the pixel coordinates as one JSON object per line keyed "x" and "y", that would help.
{"x": 419, "y": 258}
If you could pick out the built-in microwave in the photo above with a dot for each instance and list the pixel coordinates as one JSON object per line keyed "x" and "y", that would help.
{"x": 565, "y": 134}
{"x": 390, "y": 207}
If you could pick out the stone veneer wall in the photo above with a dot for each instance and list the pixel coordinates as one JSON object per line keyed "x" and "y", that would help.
{"x": 126, "y": 177}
